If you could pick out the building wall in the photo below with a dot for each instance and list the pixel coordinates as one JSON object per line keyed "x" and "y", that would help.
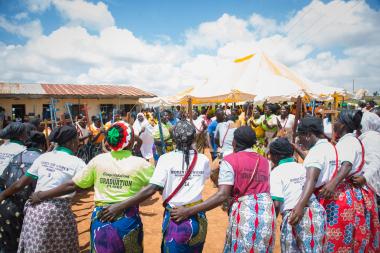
{"x": 33, "y": 105}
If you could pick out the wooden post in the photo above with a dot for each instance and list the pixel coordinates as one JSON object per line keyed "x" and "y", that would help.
{"x": 160, "y": 130}
{"x": 333, "y": 117}
{"x": 298, "y": 116}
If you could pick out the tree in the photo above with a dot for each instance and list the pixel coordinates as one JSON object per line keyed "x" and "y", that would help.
{"x": 376, "y": 93}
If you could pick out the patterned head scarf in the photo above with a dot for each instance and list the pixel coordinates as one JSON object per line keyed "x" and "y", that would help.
{"x": 119, "y": 135}
{"x": 184, "y": 135}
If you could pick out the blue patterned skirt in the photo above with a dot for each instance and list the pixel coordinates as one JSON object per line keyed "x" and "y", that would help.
{"x": 125, "y": 235}
{"x": 187, "y": 236}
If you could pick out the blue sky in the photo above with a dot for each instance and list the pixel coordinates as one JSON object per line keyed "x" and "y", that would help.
{"x": 151, "y": 19}
{"x": 323, "y": 39}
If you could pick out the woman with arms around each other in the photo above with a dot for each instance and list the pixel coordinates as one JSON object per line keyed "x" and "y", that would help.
{"x": 355, "y": 205}
{"x": 287, "y": 180}
{"x": 50, "y": 226}
{"x": 348, "y": 208}
{"x": 244, "y": 175}
{"x": 181, "y": 176}
{"x": 12, "y": 208}
{"x": 115, "y": 176}
{"x": 370, "y": 138}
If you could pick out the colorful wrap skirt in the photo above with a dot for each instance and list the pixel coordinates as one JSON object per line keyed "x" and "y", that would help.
{"x": 125, "y": 235}
{"x": 188, "y": 236}
{"x": 49, "y": 227}
{"x": 352, "y": 220}
{"x": 251, "y": 225}
{"x": 309, "y": 234}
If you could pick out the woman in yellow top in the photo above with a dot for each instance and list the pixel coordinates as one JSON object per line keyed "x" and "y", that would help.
{"x": 255, "y": 122}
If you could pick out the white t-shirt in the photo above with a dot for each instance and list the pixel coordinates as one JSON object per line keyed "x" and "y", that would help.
{"x": 168, "y": 174}
{"x": 286, "y": 184}
{"x": 371, "y": 170}
{"x": 350, "y": 150}
{"x": 322, "y": 156}
{"x": 224, "y": 131}
{"x": 7, "y": 151}
{"x": 55, "y": 168}
{"x": 287, "y": 123}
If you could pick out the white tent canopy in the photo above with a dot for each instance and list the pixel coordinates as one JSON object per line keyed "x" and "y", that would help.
{"x": 257, "y": 76}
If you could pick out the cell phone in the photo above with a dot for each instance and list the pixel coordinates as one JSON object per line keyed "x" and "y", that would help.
{"x": 220, "y": 155}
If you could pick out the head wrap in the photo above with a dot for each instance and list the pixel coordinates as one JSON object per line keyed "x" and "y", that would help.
{"x": 310, "y": 125}
{"x": 184, "y": 135}
{"x": 370, "y": 122}
{"x": 13, "y": 131}
{"x": 245, "y": 138}
{"x": 36, "y": 139}
{"x": 137, "y": 125}
{"x": 63, "y": 134}
{"x": 281, "y": 147}
{"x": 119, "y": 135}
{"x": 351, "y": 119}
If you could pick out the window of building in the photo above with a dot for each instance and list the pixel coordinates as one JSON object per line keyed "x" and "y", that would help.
{"x": 18, "y": 112}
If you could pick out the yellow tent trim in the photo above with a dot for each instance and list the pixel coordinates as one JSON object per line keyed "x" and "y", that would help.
{"x": 244, "y": 58}
{"x": 274, "y": 68}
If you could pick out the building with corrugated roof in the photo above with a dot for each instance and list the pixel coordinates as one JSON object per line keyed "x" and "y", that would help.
{"x": 23, "y": 99}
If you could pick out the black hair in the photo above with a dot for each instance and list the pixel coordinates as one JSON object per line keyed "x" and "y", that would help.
{"x": 281, "y": 148}
{"x": 310, "y": 124}
{"x": 244, "y": 138}
{"x": 36, "y": 140}
{"x": 63, "y": 134}
{"x": 13, "y": 131}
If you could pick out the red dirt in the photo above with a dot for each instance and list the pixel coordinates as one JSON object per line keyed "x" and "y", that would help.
{"x": 151, "y": 212}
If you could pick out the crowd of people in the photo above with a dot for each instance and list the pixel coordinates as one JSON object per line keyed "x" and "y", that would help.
{"x": 322, "y": 177}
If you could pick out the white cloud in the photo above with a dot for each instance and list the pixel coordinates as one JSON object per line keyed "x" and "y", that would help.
{"x": 89, "y": 15}
{"x": 21, "y": 15}
{"x": 344, "y": 23}
{"x": 32, "y": 29}
{"x": 38, "y": 5}
{"x": 211, "y": 35}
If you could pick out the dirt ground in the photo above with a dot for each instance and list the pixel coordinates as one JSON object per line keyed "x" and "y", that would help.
{"x": 151, "y": 212}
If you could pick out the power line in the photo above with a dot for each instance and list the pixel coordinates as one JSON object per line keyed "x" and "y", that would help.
{"x": 323, "y": 27}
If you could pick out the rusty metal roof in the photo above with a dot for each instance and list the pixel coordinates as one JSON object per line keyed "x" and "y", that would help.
{"x": 67, "y": 90}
